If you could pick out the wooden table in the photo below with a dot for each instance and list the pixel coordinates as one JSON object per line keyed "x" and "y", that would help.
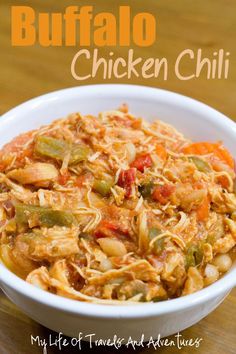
{"x": 30, "y": 71}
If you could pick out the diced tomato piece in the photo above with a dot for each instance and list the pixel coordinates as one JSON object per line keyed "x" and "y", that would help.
{"x": 109, "y": 229}
{"x": 141, "y": 162}
{"x": 162, "y": 193}
{"x": 126, "y": 180}
{"x": 203, "y": 209}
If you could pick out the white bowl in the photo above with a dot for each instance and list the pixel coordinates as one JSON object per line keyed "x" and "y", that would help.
{"x": 195, "y": 120}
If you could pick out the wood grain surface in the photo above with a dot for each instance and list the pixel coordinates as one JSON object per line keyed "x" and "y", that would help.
{"x": 30, "y": 71}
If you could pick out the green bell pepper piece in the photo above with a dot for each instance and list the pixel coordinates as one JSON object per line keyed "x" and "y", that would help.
{"x": 102, "y": 187}
{"x": 56, "y": 149}
{"x": 43, "y": 216}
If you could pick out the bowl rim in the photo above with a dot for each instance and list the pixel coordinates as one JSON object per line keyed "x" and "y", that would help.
{"x": 74, "y": 307}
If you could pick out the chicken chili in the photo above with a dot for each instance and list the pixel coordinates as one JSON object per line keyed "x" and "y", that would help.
{"x": 113, "y": 209}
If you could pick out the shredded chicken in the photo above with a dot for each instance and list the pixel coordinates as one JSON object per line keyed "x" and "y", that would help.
{"x": 115, "y": 210}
